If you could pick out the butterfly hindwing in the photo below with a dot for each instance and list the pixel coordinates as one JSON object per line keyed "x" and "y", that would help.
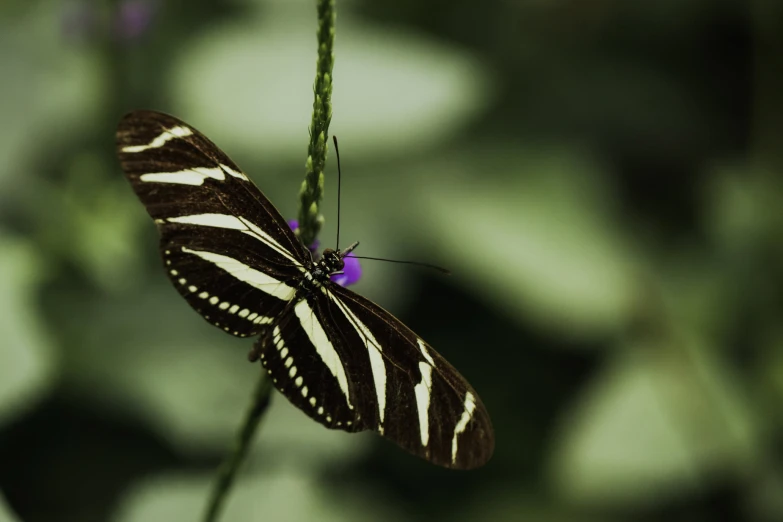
{"x": 309, "y": 368}
{"x": 376, "y": 374}
{"x": 421, "y": 401}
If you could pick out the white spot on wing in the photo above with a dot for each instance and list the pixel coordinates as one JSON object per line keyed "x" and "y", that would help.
{"x": 423, "y": 392}
{"x": 210, "y": 220}
{"x": 470, "y": 406}
{"x": 194, "y": 176}
{"x": 161, "y": 139}
{"x": 232, "y": 172}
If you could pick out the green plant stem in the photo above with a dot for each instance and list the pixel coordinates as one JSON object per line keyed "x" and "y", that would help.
{"x": 230, "y": 466}
{"x": 310, "y": 221}
{"x": 311, "y": 193}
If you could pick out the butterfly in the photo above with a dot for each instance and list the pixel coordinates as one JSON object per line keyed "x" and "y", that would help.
{"x": 337, "y": 356}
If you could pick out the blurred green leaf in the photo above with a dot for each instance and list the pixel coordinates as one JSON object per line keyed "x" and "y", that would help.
{"x": 284, "y": 495}
{"x": 659, "y": 422}
{"x": 530, "y": 232}
{"x": 26, "y": 354}
{"x": 393, "y": 90}
{"x": 94, "y": 223}
{"x": 48, "y": 87}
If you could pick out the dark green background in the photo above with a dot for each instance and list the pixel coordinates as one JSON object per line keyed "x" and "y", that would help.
{"x": 602, "y": 177}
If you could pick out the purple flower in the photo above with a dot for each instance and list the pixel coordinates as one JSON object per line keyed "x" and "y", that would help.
{"x": 352, "y": 271}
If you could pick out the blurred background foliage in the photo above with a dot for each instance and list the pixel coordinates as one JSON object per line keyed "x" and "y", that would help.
{"x": 603, "y": 177}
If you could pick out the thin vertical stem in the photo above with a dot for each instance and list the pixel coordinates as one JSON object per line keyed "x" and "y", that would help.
{"x": 310, "y": 222}
{"x": 230, "y": 466}
{"x": 311, "y": 193}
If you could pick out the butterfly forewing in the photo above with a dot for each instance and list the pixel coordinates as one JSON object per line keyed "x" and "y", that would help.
{"x": 222, "y": 284}
{"x": 226, "y": 248}
{"x": 343, "y": 360}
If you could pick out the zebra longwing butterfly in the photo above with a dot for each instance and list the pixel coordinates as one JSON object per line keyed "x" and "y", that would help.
{"x": 343, "y": 360}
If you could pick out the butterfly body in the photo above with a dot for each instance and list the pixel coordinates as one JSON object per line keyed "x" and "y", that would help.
{"x": 340, "y": 358}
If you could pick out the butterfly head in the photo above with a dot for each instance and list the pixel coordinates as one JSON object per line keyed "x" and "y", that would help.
{"x": 332, "y": 261}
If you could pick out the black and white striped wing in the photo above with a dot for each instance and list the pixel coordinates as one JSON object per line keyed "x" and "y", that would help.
{"x": 343, "y": 360}
{"x": 226, "y": 248}
{"x": 371, "y": 372}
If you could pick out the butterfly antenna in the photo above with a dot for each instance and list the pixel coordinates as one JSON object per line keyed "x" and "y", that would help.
{"x": 339, "y": 188}
{"x": 350, "y": 248}
{"x": 417, "y": 263}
